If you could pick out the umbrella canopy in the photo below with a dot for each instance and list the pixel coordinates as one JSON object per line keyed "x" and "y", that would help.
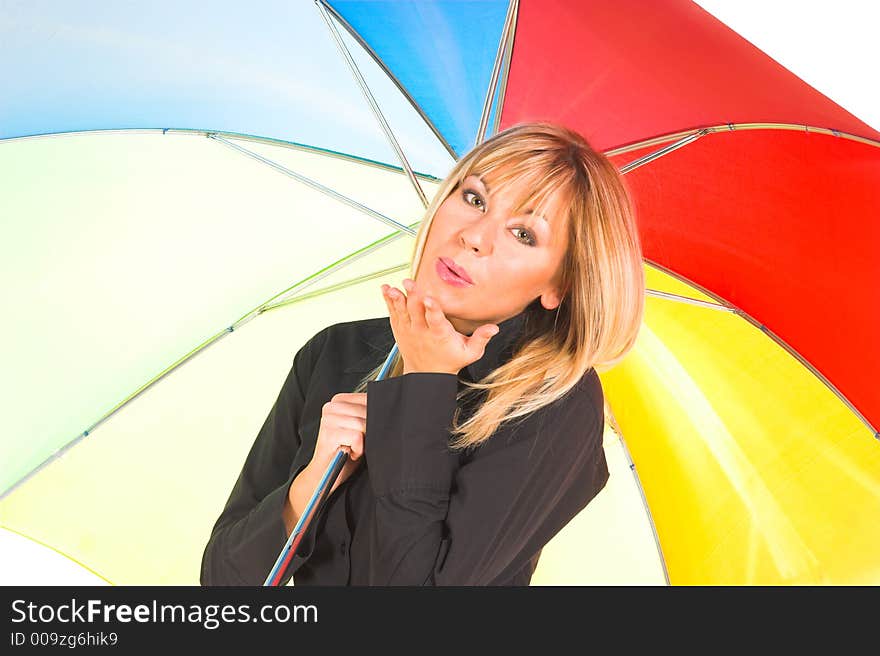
{"x": 169, "y": 278}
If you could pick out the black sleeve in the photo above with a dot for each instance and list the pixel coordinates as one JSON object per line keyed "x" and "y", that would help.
{"x": 250, "y": 532}
{"x": 436, "y": 523}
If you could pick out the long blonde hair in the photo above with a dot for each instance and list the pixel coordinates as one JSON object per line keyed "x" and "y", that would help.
{"x": 602, "y": 277}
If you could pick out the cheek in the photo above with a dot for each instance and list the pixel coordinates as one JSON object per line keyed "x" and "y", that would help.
{"x": 527, "y": 277}
{"x": 522, "y": 267}
{"x": 439, "y": 226}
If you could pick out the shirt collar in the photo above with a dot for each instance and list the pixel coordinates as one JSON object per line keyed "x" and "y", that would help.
{"x": 498, "y": 350}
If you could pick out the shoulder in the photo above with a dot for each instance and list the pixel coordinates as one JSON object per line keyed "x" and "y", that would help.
{"x": 573, "y": 423}
{"x": 576, "y": 435}
{"x": 361, "y": 330}
{"x": 591, "y": 394}
{"x": 362, "y": 336}
{"x": 576, "y": 418}
{"x": 584, "y": 401}
{"x": 350, "y": 345}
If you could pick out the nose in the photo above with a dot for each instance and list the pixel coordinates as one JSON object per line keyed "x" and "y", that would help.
{"x": 478, "y": 236}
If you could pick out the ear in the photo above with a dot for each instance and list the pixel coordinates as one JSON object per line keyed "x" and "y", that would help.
{"x": 551, "y": 299}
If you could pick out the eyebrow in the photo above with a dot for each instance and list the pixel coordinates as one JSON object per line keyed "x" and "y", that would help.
{"x": 540, "y": 216}
{"x": 483, "y": 182}
{"x": 526, "y": 211}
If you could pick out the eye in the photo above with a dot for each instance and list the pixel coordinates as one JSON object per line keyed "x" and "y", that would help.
{"x": 471, "y": 197}
{"x": 529, "y": 237}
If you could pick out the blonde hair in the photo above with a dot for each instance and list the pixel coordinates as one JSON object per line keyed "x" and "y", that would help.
{"x": 602, "y": 277}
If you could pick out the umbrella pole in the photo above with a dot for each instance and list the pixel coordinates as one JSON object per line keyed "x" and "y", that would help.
{"x": 305, "y": 519}
{"x": 317, "y": 498}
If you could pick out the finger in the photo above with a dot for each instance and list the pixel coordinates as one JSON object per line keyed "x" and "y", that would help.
{"x": 406, "y": 305}
{"x": 476, "y": 343}
{"x": 416, "y": 308}
{"x": 398, "y": 301}
{"x": 342, "y": 420}
{"x": 353, "y": 407}
{"x": 397, "y": 310}
{"x": 435, "y": 318}
{"x": 357, "y": 446}
{"x": 389, "y": 303}
{"x": 352, "y": 442}
{"x": 340, "y": 409}
{"x": 351, "y": 397}
{"x": 348, "y": 405}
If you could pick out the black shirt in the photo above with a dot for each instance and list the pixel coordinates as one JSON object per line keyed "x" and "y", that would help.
{"x": 414, "y": 512}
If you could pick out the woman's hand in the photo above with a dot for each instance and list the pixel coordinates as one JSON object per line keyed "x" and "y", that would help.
{"x": 343, "y": 425}
{"x": 427, "y": 341}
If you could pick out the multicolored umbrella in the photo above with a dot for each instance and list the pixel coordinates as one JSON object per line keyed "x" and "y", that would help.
{"x": 164, "y": 280}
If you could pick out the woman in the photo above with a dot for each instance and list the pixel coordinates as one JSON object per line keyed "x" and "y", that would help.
{"x": 485, "y": 437}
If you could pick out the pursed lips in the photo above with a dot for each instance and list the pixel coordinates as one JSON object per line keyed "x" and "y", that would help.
{"x": 457, "y": 270}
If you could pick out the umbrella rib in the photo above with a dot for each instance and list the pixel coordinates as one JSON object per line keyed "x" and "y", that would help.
{"x": 337, "y": 286}
{"x": 638, "y": 482}
{"x": 496, "y": 69}
{"x": 687, "y": 136}
{"x": 764, "y": 329}
{"x": 781, "y": 342}
{"x": 650, "y": 157}
{"x": 508, "y": 53}
{"x": 240, "y": 136}
{"x": 368, "y": 95}
{"x": 391, "y": 76}
{"x": 293, "y": 290}
{"x": 690, "y": 301}
{"x": 317, "y": 186}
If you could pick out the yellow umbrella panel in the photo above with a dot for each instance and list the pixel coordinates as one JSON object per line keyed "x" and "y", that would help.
{"x": 755, "y": 470}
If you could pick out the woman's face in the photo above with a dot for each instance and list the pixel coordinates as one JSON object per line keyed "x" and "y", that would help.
{"x": 510, "y": 259}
